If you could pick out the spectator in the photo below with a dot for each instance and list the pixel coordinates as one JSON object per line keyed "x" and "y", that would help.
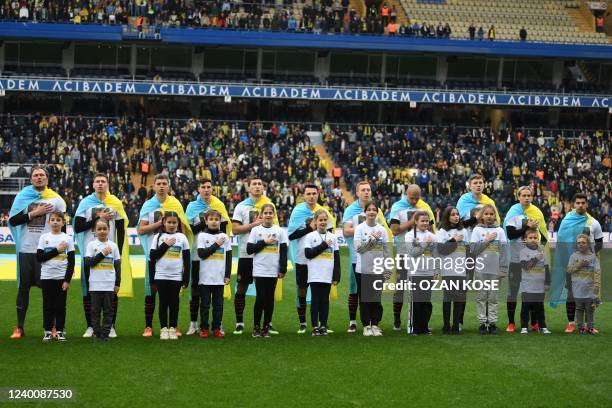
{"x": 472, "y": 32}
{"x": 491, "y": 33}
{"x": 523, "y": 34}
{"x": 480, "y": 33}
{"x": 599, "y": 23}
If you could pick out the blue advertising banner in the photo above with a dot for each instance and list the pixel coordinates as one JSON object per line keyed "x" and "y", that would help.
{"x": 301, "y": 93}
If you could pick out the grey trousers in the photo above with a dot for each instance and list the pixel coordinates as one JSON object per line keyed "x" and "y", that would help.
{"x": 102, "y": 302}
{"x": 585, "y": 311}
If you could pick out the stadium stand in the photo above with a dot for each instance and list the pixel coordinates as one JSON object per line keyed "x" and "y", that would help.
{"x": 545, "y": 21}
{"x": 441, "y": 159}
{"x": 77, "y": 147}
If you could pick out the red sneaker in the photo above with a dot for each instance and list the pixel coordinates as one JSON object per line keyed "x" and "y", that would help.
{"x": 535, "y": 327}
{"x": 594, "y": 331}
{"x": 571, "y": 327}
{"x": 218, "y": 333}
{"x": 511, "y": 327}
{"x": 179, "y": 333}
{"x": 17, "y": 333}
{"x": 204, "y": 333}
{"x": 148, "y": 332}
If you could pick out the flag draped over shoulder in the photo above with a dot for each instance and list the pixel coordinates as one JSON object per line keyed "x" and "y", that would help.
{"x": 112, "y": 202}
{"x": 22, "y": 201}
{"x": 572, "y": 225}
{"x": 349, "y": 213}
{"x": 404, "y": 204}
{"x": 532, "y": 212}
{"x": 467, "y": 202}
{"x": 170, "y": 204}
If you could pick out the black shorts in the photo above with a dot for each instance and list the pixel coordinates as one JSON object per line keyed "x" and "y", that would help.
{"x": 29, "y": 271}
{"x": 301, "y": 275}
{"x": 245, "y": 271}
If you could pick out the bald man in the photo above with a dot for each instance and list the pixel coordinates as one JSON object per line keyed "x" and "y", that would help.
{"x": 401, "y": 222}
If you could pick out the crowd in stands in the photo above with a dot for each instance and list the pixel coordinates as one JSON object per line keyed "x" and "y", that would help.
{"x": 77, "y": 148}
{"x": 441, "y": 159}
{"x": 318, "y": 16}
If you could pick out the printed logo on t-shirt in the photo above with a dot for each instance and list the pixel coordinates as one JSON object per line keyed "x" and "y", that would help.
{"x": 253, "y": 214}
{"x": 105, "y": 265}
{"x": 174, "y": 252}
{"x": 59, "y": 257}
{"x": 36, "y": 222}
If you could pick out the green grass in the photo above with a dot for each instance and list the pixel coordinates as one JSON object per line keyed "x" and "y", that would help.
{"x": 293, "y": 370}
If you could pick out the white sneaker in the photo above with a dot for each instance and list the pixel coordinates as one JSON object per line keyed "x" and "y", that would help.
{"x": 367, "y": 331}
{"x": 376, "y": 331}
{"x": 88, "y": 332}
{"x": 544, "y": 330}
{"x": 193, "y": 328}
{"x": 47, "y": 337}
{"x": 113, "y": 333}
{"x": 172, "y": 334}
{"x": 163, "y": 334}
{"x": 524, "y": 330}
{"x": 302, "y": 329}
{"x": 61, "y": 336}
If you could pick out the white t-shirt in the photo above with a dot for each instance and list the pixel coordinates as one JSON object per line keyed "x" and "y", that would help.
{"x": 197, "y": 220}
{"x": 55, "y": 268}
{"x": 321, "y": 267}
{"x": 152, "y": 218}
{"x": 37, "y": 226}
{"x": 170, "y": 265}
{"x": 244, "y": 214}
{"x": 363, "y": 234}
{"x": 266, "y": 262}
{"x": 533, "y": 280}
{"x": 92, "y": 213}
{"x": 300, "y": 258}
{"x": 403, "y": 217}
{"x": 594, "y": 227}
{"x": 102, "y": 276}
{"x": 516, "y": 245}
{"x": 425, "y": 265}
{"x": 583, "y": 280}
{"x": 457, "y": 257}
{"x": 495, "y": 257}
{"x": 212, "y": 269}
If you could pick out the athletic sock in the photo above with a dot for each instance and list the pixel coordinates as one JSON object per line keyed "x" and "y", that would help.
{"x": 115, "y": 307}
{"x": 301, "y": 309}
{"x": 352, "y": 306}
{"x": 397, "y": 313}
{"x": 149, "y": 310}
{"x": 239, "y": 303}
{"x": 194, "y": 308}
{"x": 511, "y": 306}
{"x": 87, "y": 310}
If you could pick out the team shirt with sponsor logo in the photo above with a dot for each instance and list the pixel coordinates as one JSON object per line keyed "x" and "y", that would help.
{"x": 244, "y": 214}
{"x": 55, "y": 268}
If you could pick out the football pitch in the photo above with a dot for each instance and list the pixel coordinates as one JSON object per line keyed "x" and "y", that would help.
{"x": 298, "y": 370}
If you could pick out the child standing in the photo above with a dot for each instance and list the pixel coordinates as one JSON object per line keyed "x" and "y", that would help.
{"x": 323, "y": 262}
{"x": 488, "y": 244}
{"x": 420, "y": 244}
{"x": 268, "y": 245}
{"x": 215, "y": 252}
{"x": 585, "y": 272}
{"x": 370, "y": 244}
{"x": 103, "y": 274}
{"x": 535, "y": 281}
{"x": 56, "y": 254}
{"x": 451, "y": 238}
{"x": 169, "y": 268}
